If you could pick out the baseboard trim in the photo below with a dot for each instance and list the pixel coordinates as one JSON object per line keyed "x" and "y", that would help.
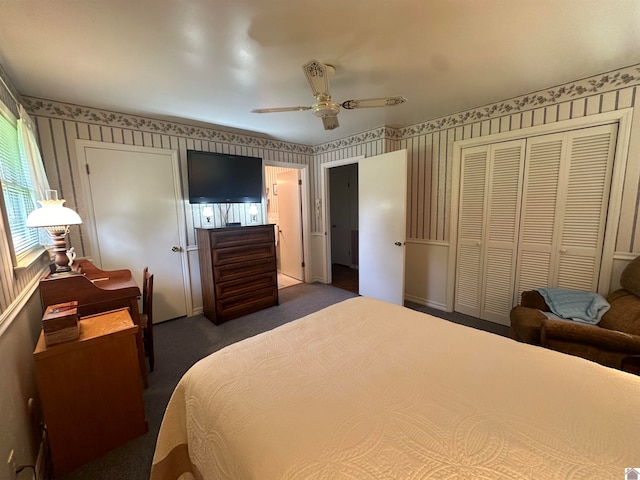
{"x": 624, "y": 256}
{"x": 425, "y": 302}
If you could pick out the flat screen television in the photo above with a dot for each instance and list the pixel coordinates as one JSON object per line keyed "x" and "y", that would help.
{"x": 223, "y": 178}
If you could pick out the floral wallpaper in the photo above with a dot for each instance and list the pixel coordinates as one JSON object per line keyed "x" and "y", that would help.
{"x": 50, "y": 108}
{"x": 581, "y": 88}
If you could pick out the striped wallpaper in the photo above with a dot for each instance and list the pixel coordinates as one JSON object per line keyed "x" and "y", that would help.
{"x": 429, "y": 147}
{"x": 60, "y": 124}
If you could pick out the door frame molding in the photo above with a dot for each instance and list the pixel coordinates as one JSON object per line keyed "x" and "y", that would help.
{"x": 306, "y": 224}
{"x": 81, "y": 147}
{"x": 622, "y": 117}
{"x": 325, "y": 202}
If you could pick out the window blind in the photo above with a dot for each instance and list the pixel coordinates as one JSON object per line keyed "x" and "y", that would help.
{"x": 17, "y": 188}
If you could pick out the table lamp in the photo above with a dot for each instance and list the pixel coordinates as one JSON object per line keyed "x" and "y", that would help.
{"x": 55, "y": 219}
{"x": 207, "y": 212}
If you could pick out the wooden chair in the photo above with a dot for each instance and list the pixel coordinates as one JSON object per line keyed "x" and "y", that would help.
{"x": 146, "y": 317}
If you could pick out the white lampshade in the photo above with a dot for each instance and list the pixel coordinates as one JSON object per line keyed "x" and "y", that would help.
{"x": 53, "y": 214}
{"x": 207, "y": 211}
{"x": 55, "y": 219}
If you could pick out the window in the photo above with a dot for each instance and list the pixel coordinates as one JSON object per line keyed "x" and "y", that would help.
{"x": 17, "y": 187}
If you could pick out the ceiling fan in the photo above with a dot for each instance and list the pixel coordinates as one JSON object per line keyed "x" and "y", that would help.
{"x": 318, "y": 75}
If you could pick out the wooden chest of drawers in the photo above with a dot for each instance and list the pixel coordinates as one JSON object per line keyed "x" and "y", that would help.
{"x": 237, "y": 270}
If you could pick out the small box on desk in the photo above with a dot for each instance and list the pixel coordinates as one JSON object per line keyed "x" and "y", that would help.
{"x": 60, "y": 323}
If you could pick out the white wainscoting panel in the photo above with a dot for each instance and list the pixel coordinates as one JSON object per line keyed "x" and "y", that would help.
{"x": 426, "y": 273}
{"x": 319, "y": 257}
{"x": 196, "y": 285}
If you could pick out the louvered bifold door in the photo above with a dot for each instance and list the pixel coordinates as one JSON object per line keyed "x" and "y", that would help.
{"x": 539, "y": 212}
{"x": 565, "y": 199}
{"x": 588, "y": 166}
{"x": 502, "y": 215}
{"x": 470, "y": 230}
{"x": 490, "y": 191}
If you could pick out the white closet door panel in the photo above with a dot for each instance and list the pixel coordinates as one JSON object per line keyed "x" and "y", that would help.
{"x": 533, "y": 270}
{"x": 471, "y": 230}
{"x": 498, "y": 285}
{"x": 577, "y": 272}
{"x": 539, "y": 212}
{"x": 472, "y": 196}
{"x": 505, "y": 187}
{"x": 589, "y": 166}
{"x": 566, "y": 190}
{"x": 540, "y": 191}
{"x": 503, "y": 215}
{"x": 489, "y": 219}
{"x": 467, "y": 280}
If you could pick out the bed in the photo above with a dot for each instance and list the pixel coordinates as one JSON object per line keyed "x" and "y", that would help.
{"x": 364, "y": 389}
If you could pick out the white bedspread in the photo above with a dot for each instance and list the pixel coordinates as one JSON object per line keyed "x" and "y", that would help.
{"x": 368, "y": 390}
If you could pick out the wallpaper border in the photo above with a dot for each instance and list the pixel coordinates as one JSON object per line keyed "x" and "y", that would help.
{"x": 66, "y": 111}
{"x": 596, "y": 84}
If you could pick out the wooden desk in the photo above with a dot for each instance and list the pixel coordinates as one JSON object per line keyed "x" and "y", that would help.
{"x": 90, "y": 389}
{"x": 96, "y": 291}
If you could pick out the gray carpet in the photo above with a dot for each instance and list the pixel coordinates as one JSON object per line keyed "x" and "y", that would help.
{"x": 182, "y": 342}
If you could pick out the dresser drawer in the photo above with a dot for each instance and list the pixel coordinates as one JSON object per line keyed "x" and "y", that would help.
{"x": 233, "y": 271}
{"x": 245, "y": 284}
{"x": 225, "y": 256}
{"x": 239, "y": 305}
{"x": 242, "y": 237}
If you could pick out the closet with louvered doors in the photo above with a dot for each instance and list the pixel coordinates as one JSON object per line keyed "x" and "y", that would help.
{"x": 490, "y": 192}
{"x": 564, "y": 209}
{"x": 532, "y": 214}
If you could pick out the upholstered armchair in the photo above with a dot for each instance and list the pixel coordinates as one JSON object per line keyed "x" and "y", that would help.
{"x": 614, "y": 341}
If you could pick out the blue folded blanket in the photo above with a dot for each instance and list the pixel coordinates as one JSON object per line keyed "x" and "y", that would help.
{"x": 584, "y": 307}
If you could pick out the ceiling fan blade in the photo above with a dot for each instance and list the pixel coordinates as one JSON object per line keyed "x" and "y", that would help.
{"x": 373, "y": 102}
{"x": 281, "y": 109}
{"x": 318, "y": 77}
{"x": 330, "y": 123}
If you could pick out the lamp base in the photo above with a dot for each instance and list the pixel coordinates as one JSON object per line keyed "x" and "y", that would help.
{"x": 61, "y": 260}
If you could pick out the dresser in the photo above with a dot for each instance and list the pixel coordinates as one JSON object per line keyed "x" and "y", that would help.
{"x": 91, "y": 390}
{"x": 237, "y": 270}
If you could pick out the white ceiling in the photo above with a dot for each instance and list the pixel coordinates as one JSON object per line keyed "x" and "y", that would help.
{"x": 215, "y": 60}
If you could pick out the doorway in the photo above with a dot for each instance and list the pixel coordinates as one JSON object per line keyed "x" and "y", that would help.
{"x": 285, "y": 186}
{"x": 382, "y": 194}
{"x": 343, "y": 211}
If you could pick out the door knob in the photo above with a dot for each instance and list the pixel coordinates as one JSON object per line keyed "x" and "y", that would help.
{"x": 175, "y": 248}
{"x": 398, "y": 244}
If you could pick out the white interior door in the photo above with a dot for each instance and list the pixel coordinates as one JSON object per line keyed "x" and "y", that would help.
{"x": 134, "y": 201}
{"x": 382, "y": 192}
{"x": 290, "y": 225}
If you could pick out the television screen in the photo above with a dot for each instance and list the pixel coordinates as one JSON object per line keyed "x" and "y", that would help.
{"x": 223, "y": 178}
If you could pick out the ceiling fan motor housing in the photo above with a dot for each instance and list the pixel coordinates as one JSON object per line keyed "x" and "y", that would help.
{"x": 326, "y": 108}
